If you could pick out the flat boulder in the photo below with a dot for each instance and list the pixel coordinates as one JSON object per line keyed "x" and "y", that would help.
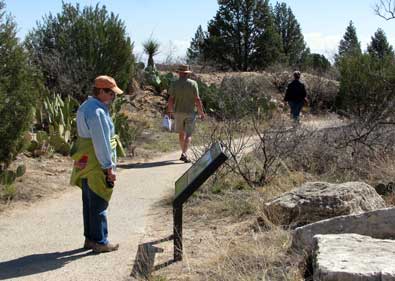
{"x": 353, "y": 257}
{"x": 315, "y": 201}
{"x": 377, "y": 224}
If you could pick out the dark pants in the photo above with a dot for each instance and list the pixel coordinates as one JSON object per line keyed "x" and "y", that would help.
{"x": 94, "y": 214}
{"x": 296, "y": 107}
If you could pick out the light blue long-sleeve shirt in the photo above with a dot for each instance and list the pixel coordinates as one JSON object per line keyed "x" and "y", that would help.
{"x": 94, "y": 122}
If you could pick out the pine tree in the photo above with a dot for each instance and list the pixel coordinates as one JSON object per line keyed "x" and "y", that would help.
{"x": 293, "y": 45}
{"x": 379, "y": 46}
{"x": 19, "y": 85}
{"x": 349, "y": 45}
{"x": 195, "y": 53}
{"x": 74, "y": 46}
{"x": 268, "y": 45}
{"x": 229, "y": 34}
{"x": 242, "y": 36}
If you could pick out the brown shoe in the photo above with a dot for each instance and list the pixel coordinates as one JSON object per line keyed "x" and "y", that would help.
{"x": 100, "y": 248}
{"x": 185, "y": 159}
{"x": 88, "y": 244}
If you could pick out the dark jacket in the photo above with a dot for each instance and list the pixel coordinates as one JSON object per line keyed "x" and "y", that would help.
{"x": 296, "y": 91}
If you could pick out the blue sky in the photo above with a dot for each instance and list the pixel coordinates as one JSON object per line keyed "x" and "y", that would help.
{"x": 173, "y": 22}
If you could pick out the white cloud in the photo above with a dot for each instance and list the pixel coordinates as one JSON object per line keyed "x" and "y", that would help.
{"x": 322, "y": 44}
{"x": 173, "y": 50}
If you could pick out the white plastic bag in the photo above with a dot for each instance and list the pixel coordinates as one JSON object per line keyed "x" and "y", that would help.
{"x": 167, "y": 123}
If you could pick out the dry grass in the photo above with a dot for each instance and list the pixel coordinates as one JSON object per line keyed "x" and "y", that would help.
{"x": 256, "y": 256}
{"x": 226, "y": 235}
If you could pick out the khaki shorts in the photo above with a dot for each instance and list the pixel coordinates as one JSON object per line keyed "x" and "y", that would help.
{"x": 184, "y": 122}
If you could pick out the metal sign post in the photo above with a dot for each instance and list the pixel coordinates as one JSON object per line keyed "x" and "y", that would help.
{"x": 188, "y": 183}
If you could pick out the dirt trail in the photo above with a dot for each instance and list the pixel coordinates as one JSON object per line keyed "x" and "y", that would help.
{"x": 43, "y": 242}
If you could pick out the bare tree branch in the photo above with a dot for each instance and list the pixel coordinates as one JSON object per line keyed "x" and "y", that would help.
{"x": 385, "y": 9}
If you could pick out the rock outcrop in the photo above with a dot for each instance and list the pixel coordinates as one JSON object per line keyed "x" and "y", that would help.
{"x": 315, "y": 201}
{"x": 353, "y": 257}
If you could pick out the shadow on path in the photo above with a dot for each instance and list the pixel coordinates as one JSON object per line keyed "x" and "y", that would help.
{"x": 150, "y": 165}
{"x": 144, "y": 263}
{"x": 34, "y": 264}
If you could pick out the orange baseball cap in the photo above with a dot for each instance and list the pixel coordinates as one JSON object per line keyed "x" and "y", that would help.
{"x": 107, "y": 82}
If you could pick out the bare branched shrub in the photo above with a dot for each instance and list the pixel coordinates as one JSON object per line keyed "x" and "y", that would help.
{"x": 321, "y": 92}
{"x": 257, "y": 147}
{"x": 244, "y": 95}
{"x": 280, "y": 80}
{"x": 344, "y": 153}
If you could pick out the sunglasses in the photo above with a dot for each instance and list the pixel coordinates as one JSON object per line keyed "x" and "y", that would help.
{"x": 110, "y": 92}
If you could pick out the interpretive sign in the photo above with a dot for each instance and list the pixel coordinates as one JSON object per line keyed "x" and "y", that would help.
{"x": 188, "y": 183}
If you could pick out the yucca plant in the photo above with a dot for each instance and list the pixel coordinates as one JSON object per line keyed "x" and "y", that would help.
{"x": 151, "y": 48}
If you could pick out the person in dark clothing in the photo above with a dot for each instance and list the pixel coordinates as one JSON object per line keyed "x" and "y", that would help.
{"x": 296, "y": 96}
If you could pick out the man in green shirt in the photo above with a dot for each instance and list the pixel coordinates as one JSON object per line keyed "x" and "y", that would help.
{"x": 183, "y": 98}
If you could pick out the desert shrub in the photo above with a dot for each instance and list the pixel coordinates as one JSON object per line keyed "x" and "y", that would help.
{"x": 210, "y": 96}
{"x": 166, "y": 80}
{"x": 76, "y": 45}
{"x": 322, "y": 92}
{"x": 350, "y": 152}
{"x": 19, "y": 86}
{"x": 367, "y": 88}
{"x": 244, "y": 96}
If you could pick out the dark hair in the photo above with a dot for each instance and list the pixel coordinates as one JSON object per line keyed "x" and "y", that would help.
{"x": 297, "y": 74}
{"x": 96, "y": 91}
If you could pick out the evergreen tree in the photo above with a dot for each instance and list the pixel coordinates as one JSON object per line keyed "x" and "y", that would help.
{"x": 293, "y": 45}
{"x": 196, "y": 49}
{"x": 76, "y": 45}
{"x": 267, "y": 41}
{"x": 379, "y": 46}
{"x": 316, "y": 62}
{"x": 229, "y": 34}
{"x": 349, "y": 45}
{"x": 19, "y": 85}
{"x": 240, "y": 32}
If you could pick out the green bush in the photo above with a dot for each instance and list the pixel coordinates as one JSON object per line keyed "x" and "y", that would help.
{"x": 367, "y": 87}
{"x": 166, "y": 80}
{"x": 210, "y": 96}
{"x": 76, "y": 45}
{"x": 19, "y": 86}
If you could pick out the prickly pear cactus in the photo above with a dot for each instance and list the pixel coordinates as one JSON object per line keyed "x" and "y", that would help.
{"x": 60, "y": 145}
{"x": 7, "y": 177}
{"x": 42, "y": 137}
{"x": 33, "y": 146}
{"x": 20, "y": 171}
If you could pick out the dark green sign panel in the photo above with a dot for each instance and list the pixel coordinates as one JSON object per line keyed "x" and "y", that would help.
{"x": 200, "y": 171}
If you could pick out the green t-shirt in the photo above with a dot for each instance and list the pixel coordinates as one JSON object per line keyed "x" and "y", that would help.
{"x": 184, "y": 92}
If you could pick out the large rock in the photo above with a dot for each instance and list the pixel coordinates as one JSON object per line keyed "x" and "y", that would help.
{"x": 315, "y": 201}
{"x": 378, "y": 224}
{"x": 352, "y": 257}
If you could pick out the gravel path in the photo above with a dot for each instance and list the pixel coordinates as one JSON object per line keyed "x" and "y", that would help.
{"x": 44, "y": 241}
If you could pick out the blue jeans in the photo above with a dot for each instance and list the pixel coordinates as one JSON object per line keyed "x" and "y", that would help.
{"x": 95, "y": 215}
{"x": 296, "y": 107}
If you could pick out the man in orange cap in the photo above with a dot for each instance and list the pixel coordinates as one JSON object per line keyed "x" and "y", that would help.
{"x": 95, "y": 157}
{"x": 184, "y": 97}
